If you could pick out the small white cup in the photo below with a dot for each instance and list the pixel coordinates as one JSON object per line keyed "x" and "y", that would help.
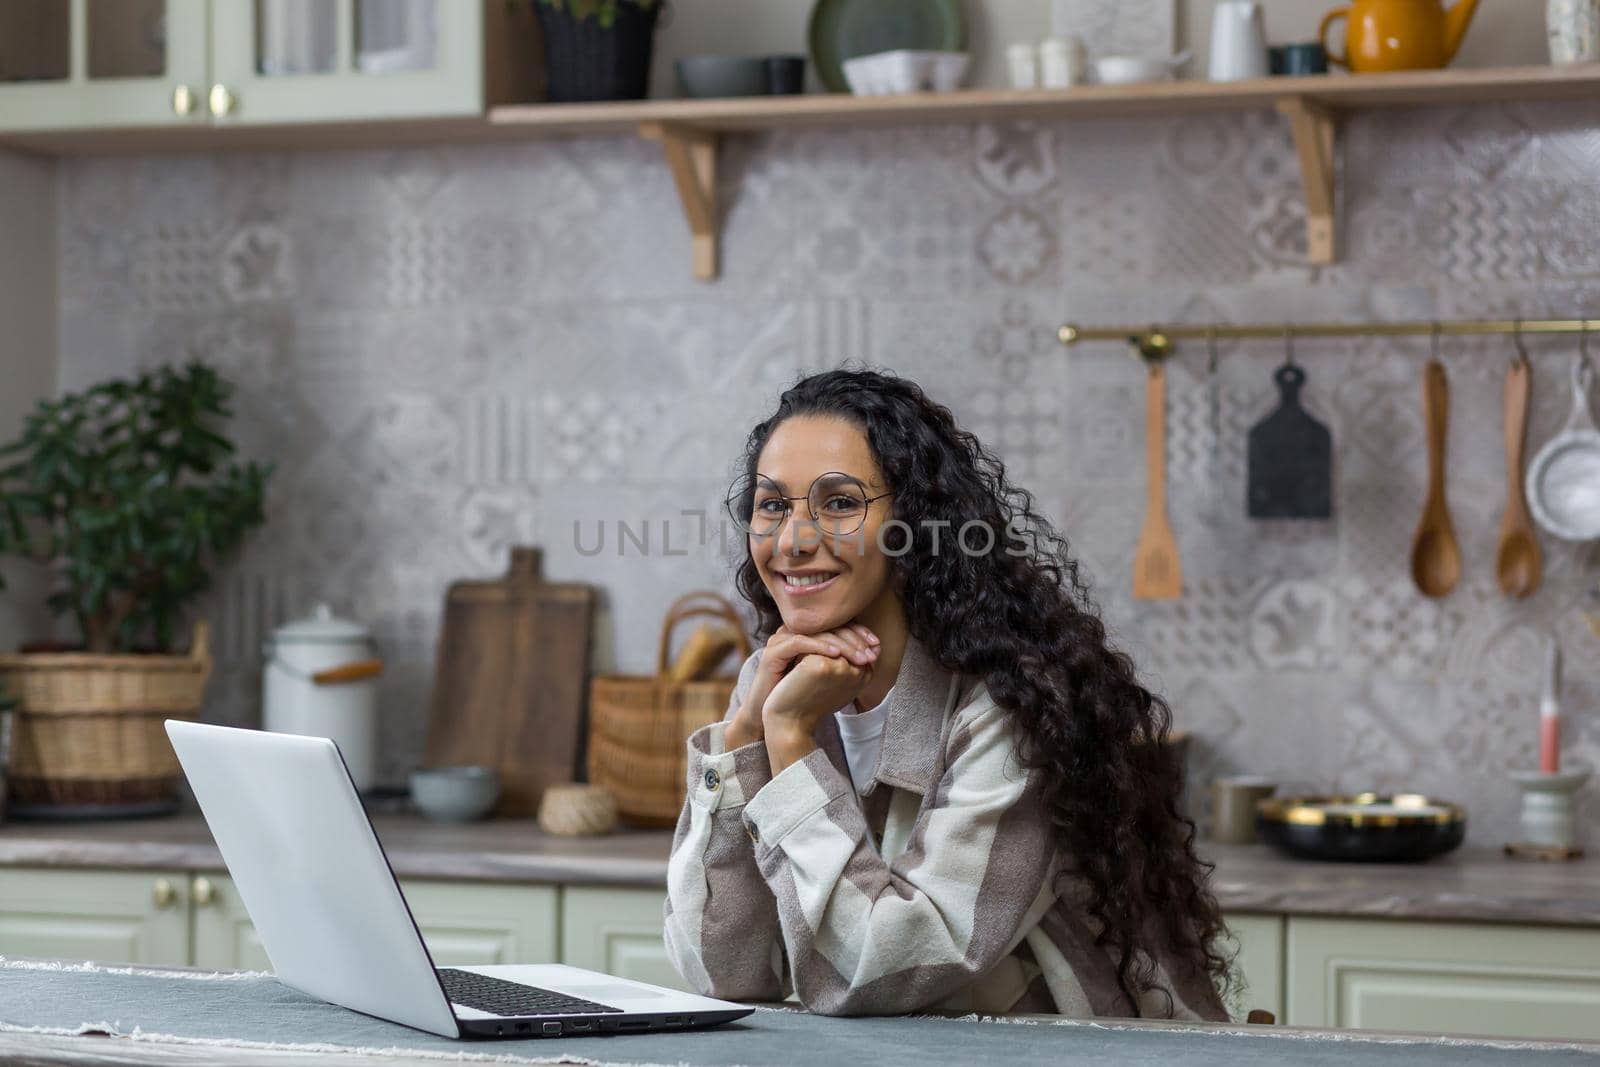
{"x": 1063, "y": 62}
{"x": 1023, "y": 62}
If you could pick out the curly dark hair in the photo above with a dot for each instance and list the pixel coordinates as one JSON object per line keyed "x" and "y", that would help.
{"x": 1024, "y": 621}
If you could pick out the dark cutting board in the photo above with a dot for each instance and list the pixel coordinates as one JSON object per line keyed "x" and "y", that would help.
{"x": 512, "y": 671}
{"x": 1290, "y": 457}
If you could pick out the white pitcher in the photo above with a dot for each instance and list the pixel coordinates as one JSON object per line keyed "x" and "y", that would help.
{"x": 1238, "y": 41}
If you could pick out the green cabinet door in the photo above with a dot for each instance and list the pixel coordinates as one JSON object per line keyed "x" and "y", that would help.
{"x": 91, "y": 64}
{"x": 104, "y": 916}
{"x": 617, "y": 931}
{"x": 343, "y": 60}
{"x": 1452, "y": 978}
{"x": 461, "y": 923}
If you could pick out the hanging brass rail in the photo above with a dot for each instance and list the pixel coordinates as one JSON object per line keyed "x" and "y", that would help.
{"x": 1156, "y": 341}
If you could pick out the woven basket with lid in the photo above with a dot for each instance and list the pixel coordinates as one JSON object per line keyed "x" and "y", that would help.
{"x": 88, "y": 729}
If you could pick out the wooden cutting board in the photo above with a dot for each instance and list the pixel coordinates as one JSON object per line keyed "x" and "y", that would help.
{"x": 512, "y": 672}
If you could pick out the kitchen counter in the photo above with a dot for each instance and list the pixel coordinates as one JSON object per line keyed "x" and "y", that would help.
{"x": 1467, "y": 885}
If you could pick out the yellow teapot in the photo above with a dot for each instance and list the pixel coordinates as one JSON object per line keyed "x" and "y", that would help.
{"x": 1385, "y": 35}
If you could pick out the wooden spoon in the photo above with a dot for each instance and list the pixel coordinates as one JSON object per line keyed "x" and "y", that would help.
{"x": 1517, "y": 561}
{"x": 1157, "y": 573}
{"x": 1435, "y": 556}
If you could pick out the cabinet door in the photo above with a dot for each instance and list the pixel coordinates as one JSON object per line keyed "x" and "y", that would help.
{"x": 104, "y": 916}
{"x": 83, "y": 64}
{"x": 279, "y": 61}
{"x": 617, "y": 931}
{"x": 461, "y": 923}
{"x": 1463, "y": 978}
{"x": 1259, "y": 962}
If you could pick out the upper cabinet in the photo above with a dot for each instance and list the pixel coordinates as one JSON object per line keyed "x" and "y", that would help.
{"x": 87, "y": 64}
{"x": 73, "y": 64}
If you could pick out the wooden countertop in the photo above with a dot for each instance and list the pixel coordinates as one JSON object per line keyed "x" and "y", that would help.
{"x": 1466, "y": 885}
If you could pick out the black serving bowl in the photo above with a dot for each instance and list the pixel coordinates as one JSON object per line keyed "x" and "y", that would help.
{"x": 1363, "y": 828}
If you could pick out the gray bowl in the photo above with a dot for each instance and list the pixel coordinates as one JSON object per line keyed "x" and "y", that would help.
{"x": 719, "y": 76}
{"x": 455, "y": 794}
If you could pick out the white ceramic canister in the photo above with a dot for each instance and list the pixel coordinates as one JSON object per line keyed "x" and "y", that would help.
{"x": 1063, "y": 62}
{"x": 321, "y": 680}
{"x": 1574, "y": 29}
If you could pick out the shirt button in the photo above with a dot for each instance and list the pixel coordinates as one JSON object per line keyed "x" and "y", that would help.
{"x": 713, "y": 779}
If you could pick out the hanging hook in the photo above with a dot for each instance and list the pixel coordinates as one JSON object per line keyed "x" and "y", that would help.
{"x": 1288, "y": 346}
{"x": 1435, "y": 334}
{"x": 1211, "y": 349}
{"x": 1516, "y": 339}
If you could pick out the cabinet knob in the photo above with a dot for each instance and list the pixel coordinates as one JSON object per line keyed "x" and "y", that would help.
{"x": 184, "y": 100}
{"x": 222, "y": 100}
{"x": 165, "y": 894}
{"x": 203, "y": 892}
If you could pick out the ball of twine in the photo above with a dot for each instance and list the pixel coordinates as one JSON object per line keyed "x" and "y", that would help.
{"x": 577, "y": 810}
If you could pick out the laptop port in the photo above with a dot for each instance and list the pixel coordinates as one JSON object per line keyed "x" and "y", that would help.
{"x": 580, "y": 1028}
{"x": 672, "y": 1020}
{"x": 552, "y": 1029}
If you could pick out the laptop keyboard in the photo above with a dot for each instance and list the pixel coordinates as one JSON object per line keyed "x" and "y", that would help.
{"x": 499, "y": 997}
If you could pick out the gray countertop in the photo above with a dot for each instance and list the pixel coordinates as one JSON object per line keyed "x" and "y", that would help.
{"x": 1469, "y": 884}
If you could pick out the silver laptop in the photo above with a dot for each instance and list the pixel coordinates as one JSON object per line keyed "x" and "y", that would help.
{"x": 324, "y": 900}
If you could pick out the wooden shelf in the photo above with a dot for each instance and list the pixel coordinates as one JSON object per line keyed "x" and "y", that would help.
{"x": 1312, "y": 105}
{"x": 690, "y": 130}
{"x": 1334, "y": 92}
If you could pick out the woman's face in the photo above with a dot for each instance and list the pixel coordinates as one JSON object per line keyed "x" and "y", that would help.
{"x": 854, "y": 570}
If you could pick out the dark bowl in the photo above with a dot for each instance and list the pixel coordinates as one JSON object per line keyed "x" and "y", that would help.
{"x": 1363, "y": 828}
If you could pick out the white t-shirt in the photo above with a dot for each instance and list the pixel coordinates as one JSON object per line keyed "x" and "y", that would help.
{"x": 862, "y": 735}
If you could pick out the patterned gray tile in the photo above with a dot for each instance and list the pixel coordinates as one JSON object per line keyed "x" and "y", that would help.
{"x": 450, "y": 351}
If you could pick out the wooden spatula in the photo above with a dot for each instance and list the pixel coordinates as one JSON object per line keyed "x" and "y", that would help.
{"x": 1157, "y": 573}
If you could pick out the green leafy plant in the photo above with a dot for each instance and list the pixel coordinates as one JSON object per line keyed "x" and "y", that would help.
{"x": 126, "y": 491}
{"x": 605, "y": 11}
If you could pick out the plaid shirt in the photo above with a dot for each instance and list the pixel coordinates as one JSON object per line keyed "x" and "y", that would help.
{"x": 939, "y": 885}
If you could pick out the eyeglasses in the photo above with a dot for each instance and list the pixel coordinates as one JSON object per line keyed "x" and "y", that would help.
{"x": 837, "y": 503}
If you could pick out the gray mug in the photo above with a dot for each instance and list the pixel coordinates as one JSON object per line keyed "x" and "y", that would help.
{"x": 1233, "y": 808}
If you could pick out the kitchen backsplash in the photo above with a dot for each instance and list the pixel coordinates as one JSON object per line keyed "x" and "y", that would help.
{"x": 449, "y": 351}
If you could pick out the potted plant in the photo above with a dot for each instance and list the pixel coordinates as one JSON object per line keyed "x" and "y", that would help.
{"x": 126, "y": 490}
{"x": 597, "y": 49}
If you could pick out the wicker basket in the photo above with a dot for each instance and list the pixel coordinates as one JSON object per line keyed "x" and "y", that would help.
{"x": 638, "y": 724}
{"x": 88, "y": 730}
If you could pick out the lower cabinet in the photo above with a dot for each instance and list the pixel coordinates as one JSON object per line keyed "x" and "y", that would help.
{"x": 617, "y": 931}
{"x": 461, "y": 923}
{"x": 1464, "y": 978}
{"x": 116, "y": 916}
{"x": 1258, "y": 965}
{"x": 1460, "y": 978}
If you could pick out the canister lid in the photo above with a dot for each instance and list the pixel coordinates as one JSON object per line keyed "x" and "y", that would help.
{"x": 322, "y": 626}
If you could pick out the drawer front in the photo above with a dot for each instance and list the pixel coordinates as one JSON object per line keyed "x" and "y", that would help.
{"x": 461, "y": 923}
{"x": 1463, "y": 978}
{"x": 617, "y": 931}
{"x": 105, "y": 916}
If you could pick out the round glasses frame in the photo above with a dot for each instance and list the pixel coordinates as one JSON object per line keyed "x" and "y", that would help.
{"x": 737, "y": 492}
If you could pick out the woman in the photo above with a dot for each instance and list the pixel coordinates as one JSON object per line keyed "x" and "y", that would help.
{"x": 936, "y": 785}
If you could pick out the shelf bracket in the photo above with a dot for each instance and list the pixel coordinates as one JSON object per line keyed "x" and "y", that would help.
{"x": 692, "y": 157}
{"x": 1314, "y": 142}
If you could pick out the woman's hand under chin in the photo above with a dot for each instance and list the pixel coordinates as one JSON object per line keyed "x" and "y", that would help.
{"x": 817, "y": 685}
{"x": 783, "y": 652}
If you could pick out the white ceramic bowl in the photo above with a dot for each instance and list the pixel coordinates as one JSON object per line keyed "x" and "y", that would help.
{"x": 455, "y": 794}
{"x": 905, "y": 70}
{"x": 1130, "y": 70}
